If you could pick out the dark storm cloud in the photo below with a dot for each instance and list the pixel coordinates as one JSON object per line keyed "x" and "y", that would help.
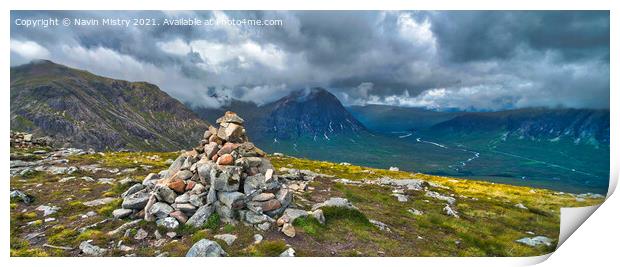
{"x": 483, "y": 35}
{"x": 458, "y": 59}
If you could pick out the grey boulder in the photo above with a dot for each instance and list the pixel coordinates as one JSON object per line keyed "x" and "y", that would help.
{"x": 91, "y": 250}
{"x": 132, "y": 190}
{"x": 206, "y": 248}
{"x": 168, "y": 223}
{"x": 121, "y": 213}
{"x": 136, "y": 201}
{"x": 201, "y": 216}
{"x": 163, "y": 193}
{"x": 535, "y": 241}
{"x": 161, "y": 210}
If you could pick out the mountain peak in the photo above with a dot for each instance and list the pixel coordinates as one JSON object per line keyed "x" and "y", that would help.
{"x": 315, "y": 93}
{"x": 42, "y": 63}
{"x": 313, "y": 112}
{"x": 44, "y": 67}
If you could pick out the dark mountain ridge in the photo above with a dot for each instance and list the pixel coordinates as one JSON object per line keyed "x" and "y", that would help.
{"x": 589, "y": 126}
{"x": 579, "y": 125}
{"x": 79, "y": 109}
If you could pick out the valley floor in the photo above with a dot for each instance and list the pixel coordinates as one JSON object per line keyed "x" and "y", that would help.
{"x": 397, "y": 213}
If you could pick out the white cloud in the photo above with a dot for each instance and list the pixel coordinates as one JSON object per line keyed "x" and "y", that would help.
{"x": 218, "y": 56}
{"x": 418, "y": 33}
{"x": 264, "y": 94}
{"x": 29, "y": 50}
{"x": 465, "y": 98}
{"x": 176, "y": 47}
{"x": 364, "y": 88}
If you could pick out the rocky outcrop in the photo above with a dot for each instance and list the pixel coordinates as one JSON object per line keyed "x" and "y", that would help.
{"x": 225, "y": 174}
{"x": 26, "y": 140}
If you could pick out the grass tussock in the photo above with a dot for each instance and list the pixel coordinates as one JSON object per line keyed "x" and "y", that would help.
{"x": 269, "y": 248}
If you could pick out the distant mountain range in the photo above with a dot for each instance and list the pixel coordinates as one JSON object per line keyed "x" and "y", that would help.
{"x": 534, "y": 146}
{"x": 587, "y": 126}
{"x": 79, "y": 109}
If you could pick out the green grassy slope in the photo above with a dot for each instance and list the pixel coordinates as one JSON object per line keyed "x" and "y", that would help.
{"x": 489, "y": 222}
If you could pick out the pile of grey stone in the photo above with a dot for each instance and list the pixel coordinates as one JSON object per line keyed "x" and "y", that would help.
{"x": 26, "y": 140}
{"x": 225, "y": 174}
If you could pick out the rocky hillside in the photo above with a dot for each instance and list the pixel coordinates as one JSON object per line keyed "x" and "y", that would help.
{"x": 79, "y": 109}
{"x": 314, "y": 113}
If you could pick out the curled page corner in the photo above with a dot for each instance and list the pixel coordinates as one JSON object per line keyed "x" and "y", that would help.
{"x": 571, "y": 219}
{"x": 613, "y": 181}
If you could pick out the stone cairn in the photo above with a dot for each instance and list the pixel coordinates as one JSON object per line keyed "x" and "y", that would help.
{"x": 225, "y": 174}
{"x": 25, "y": 140}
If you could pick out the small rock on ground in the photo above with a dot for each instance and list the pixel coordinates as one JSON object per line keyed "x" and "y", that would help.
{"x": 141, "y": 234}
{"x": 258, "y": 238}
{"x": 290, "y": 252}
{"x": 206, "y": 248}
{"x": 99, "y": 202}
{"x": 535, "y": 241}
{"x": 91, "y": 250}
{"x": 288, "y": 229}
{"x": 228, "y": 238}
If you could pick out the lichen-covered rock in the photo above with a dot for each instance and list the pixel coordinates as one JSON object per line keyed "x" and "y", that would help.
{"x": 230, "y": 117}
{"x": 226, "y": 214}
{"x": 335, "y": 202}
{"x": 16, "y": 194}
{"x": 201, "y": 216}
{"x": 121, "y": 213}
{"x": 206, "y": 248}
{"x": 92, "y": 250}
{"x": 133, "y": 189}
{"x": 164, "y": 193}
{"x": 231, "y": 132}
{"x": 226, "y": 178}
{"x": 150, "y": 179}
{"x": 228, "y": 238}
{"x": 289, "y": 252}
{"x": 535, "y": 241}
{"x": 168, "y": 223}
{"x": 136, "y": 201}
{"x": 232, "y": 200}
{"x": 161, "y": 210}
{"x": 179, "y": 216}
